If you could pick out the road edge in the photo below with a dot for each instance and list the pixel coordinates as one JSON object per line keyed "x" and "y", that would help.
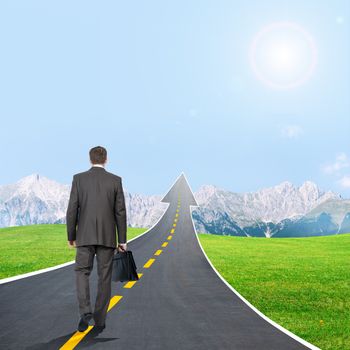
{"x": 273, "y": 323}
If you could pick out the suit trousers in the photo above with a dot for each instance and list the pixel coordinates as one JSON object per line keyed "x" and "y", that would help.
{"x": 84, "y": 261}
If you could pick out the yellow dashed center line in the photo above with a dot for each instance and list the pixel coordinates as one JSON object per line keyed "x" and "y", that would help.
{"x": 77, "y": 337}
{"x": 149, "y": 263}
{"x": 114, "y": 300}
{"x": 130, "y": 284}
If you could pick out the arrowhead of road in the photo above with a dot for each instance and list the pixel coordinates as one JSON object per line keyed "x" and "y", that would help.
{"x": 180, "y": 189}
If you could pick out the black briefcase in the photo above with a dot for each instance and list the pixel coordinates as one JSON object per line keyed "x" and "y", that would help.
{"x": 124, "y": 267}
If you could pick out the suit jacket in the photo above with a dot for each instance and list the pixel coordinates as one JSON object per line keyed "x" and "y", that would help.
{"x": 96, "y": 209}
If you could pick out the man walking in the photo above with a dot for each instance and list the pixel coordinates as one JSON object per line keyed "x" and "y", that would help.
{"x": 95, "y": 210}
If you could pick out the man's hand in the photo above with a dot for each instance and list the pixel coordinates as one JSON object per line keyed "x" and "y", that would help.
{"x": 71, "y": 244}
{"x": 121, "y": 247}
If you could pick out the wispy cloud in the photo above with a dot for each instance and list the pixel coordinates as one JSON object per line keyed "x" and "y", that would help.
{"x": 341, "y": 161}
{"x": 345, "y": 181}
{"x": 292, "y": 131}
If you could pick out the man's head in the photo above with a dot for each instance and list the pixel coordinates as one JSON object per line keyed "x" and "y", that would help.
{"x": 98, "y": 155}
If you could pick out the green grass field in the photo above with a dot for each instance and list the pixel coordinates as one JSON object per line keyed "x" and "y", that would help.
{"x": 301, "y": 283}
{"x": 29, "y": 248}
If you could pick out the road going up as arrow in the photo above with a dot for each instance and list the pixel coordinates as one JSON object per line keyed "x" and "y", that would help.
{"x": 179, "y": 302}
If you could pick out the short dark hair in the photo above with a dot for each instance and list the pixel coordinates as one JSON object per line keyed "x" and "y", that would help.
{"x": 98, "y": 155}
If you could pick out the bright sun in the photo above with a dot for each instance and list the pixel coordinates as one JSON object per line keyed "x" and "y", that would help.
{"x": 283, "y": 55}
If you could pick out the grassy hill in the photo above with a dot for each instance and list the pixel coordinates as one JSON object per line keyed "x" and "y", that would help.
{"x": 29, "y": 248}
{"x": 301, "y": 283}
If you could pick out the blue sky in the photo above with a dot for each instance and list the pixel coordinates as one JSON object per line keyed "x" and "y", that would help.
{"x": 168, "y": 87}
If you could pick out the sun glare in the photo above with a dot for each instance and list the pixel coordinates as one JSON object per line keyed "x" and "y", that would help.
{"x": 283, "y": 55}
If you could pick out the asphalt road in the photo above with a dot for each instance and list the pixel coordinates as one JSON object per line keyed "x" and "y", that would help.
{"x": 178, "y": 303}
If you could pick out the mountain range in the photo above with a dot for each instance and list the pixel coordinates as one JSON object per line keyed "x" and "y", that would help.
{"x": 284, "y": 210}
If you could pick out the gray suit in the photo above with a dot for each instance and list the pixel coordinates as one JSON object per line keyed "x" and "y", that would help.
{"x": 97, "y": 206}
{"x": 95, "y": 210}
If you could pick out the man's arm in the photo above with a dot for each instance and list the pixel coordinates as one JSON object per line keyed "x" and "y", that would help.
{"x": 72, "y": 211}
{"x": 120, "y": 213}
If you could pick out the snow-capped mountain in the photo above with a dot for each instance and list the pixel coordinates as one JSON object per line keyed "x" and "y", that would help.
{"x": 32, "y": 200}
{"x": 284, "y": 210}
{"x": 267, "y": 205}
{"x": 36, "y": 199}
{"x": 271, "y": 211}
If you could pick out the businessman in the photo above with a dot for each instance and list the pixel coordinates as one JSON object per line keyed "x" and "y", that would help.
{"x": 96, "y": 209}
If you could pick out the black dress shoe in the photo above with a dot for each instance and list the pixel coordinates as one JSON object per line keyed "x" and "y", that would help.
{"x": 84, "y": 322}
{"x": 99, "y": 328}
